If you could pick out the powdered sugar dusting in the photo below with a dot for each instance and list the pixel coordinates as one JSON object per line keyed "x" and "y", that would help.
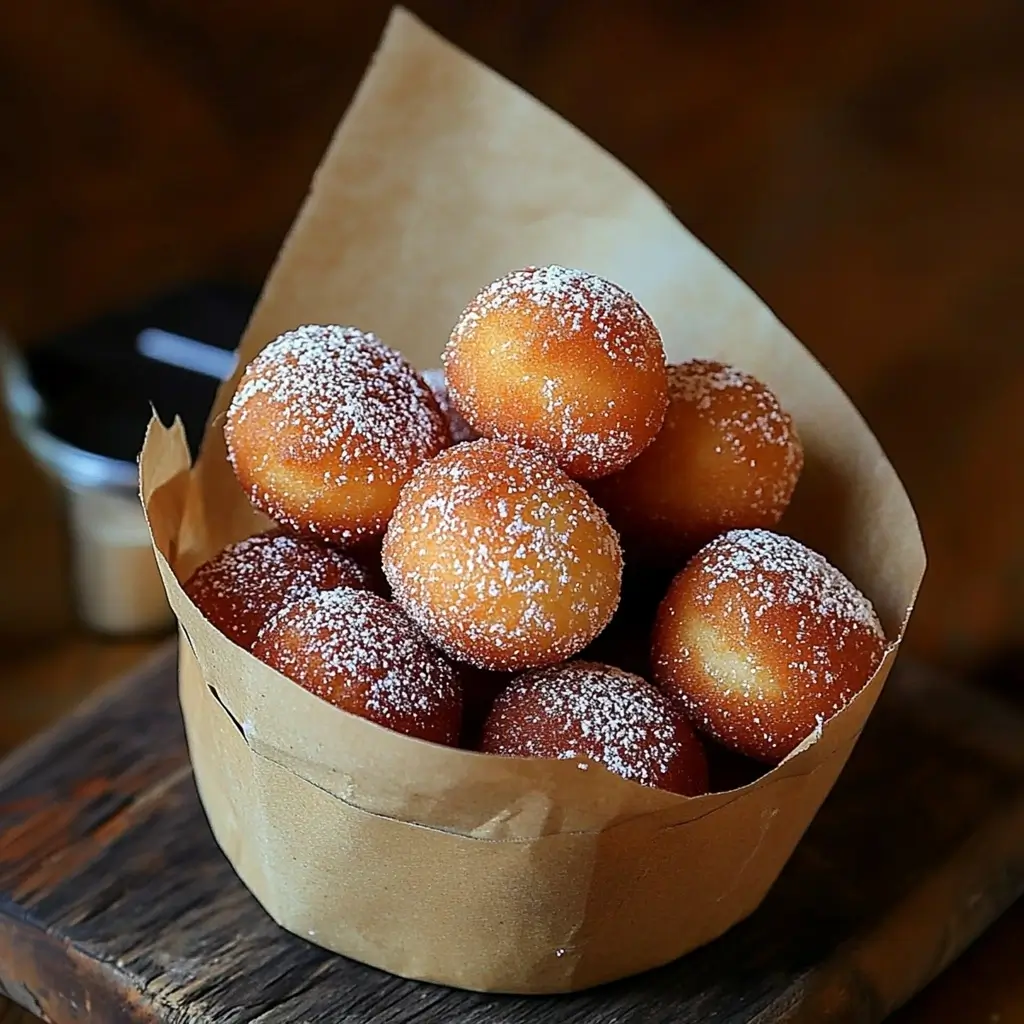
{"x": 697, "y": 381}
{"x": 324, "y": 413}
{"x": 248, "y": 582}
{"x": 459, "y": 429}
{"x": 577, "y": 301}
{"x": 353, "y": 648}
{"x": 762, "y": 640}
{"x": 777, "y": 570}
{"x": 586, "y": 709}
{"x": 745, "y": 414}
{"x": 488, "y": 527}
{"x": 562, "y": 361}
{"x": 348, "y": 393}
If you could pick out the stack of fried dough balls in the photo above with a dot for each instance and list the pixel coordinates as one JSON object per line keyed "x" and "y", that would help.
{"x": 450, "y": 544}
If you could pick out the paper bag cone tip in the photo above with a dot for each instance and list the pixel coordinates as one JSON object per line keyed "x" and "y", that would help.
{"x": 485, "y": 872}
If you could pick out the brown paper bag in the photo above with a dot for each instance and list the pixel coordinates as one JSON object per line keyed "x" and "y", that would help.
{"x": 483, "y": 872}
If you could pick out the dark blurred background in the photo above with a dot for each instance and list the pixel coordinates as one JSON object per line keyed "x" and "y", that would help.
{"x": 859, "y": 163}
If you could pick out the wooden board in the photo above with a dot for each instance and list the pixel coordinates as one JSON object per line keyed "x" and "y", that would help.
{"x": 116, "y": 905}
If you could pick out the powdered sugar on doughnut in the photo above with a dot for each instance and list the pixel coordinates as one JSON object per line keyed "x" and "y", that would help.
{"x": 325, "y": 426}
{"x": 762, "y": 640}
{"x": 348, "y": 392}
{"x": 577, "y": 300}
{"x": 589, "y": 710}
{"x": 697, "y": 381}
{"x": 778, "y": 570}
{"x": 248, "y": 582}
{"x": 485, "y": 524}
{"x": 345, "y": 640}
{"x": 700, "y": 382}
{"x": 561, "y": 361}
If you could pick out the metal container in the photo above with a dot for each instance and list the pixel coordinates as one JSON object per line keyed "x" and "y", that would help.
{"x": 79, "y": 404}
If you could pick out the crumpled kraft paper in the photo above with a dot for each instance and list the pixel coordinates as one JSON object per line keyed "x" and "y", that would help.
{"x": 484, "y": 872}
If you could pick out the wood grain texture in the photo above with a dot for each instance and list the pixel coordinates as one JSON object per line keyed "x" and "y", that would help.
{"x": 115, "y": 903}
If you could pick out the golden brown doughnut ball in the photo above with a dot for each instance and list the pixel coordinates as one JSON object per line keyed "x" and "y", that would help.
{"x": 586, "y": 709}
{"x": 326, "y": 426}
{"x": 248, "y": 583}
{"x": 501, "y": 559}
{"x": 361, "y": 653}
{"x": 761, "y": 640}
{"x": 459, "y": 429}
{"x": 727, "y": 457}
{"x": 562, "y": 362}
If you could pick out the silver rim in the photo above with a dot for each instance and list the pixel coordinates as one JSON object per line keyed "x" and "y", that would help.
{"x": 72, "y": 466}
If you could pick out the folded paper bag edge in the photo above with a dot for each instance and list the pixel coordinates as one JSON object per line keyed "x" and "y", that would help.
{"x": 594, "y": 925}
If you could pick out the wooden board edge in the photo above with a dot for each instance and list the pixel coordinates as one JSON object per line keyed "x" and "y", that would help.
{"x": 876, "y": 972}
{"x": 52, "y": 979}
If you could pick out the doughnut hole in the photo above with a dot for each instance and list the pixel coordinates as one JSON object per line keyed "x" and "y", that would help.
{"x": 501, "y": 559}
{"x": 562, "y": 362}
{"x": 326, "y": 425}
{"x": 246, "y": 584}
{"x": 761, "y": 640}
{"x": 589, "y": 710}
{"x": 361, "y": 653}
{"x": 727, "y": 457}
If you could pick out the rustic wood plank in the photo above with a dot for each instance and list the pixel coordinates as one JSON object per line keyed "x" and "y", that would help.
{"x": 115, "y": 903}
